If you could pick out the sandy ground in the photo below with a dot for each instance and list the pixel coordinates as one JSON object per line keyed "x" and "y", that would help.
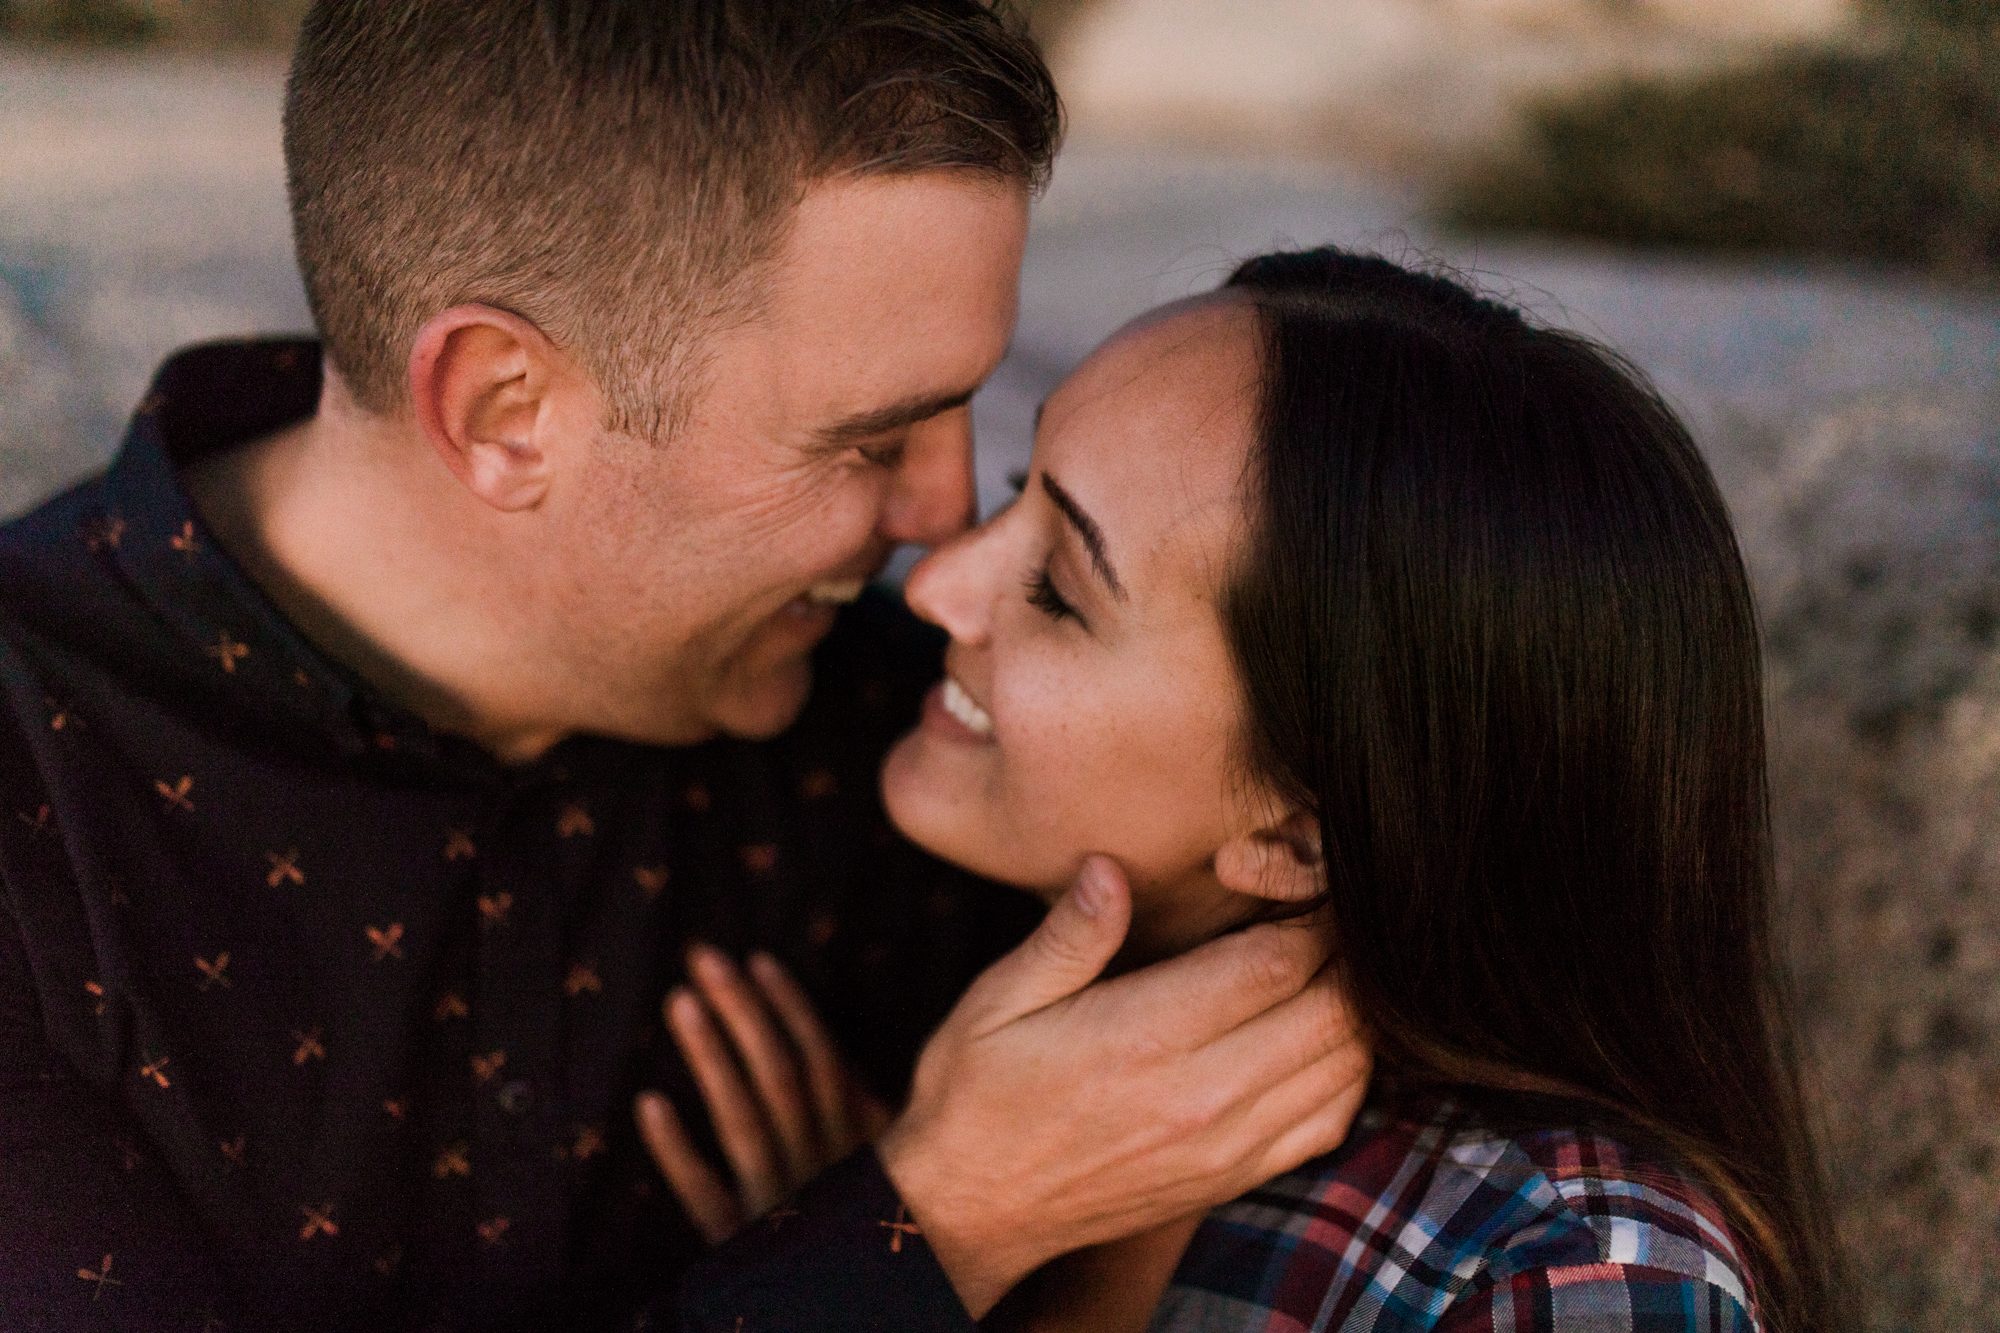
{"x": 1414, "y": 84}
{"x": 1850, "y": 416}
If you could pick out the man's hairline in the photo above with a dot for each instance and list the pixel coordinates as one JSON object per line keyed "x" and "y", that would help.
{"x": 701, "y": 340}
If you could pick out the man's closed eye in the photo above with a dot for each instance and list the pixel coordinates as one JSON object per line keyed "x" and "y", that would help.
{"x": 887, "y": 455}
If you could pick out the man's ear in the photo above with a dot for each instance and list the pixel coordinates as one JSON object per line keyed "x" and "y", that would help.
{"x": 479, "y": 382}
{"x": 1281, "y": 862}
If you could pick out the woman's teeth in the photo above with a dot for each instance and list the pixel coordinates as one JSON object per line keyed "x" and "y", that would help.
{"x": 836, "y": 592}
{"x": 969, "y": 714}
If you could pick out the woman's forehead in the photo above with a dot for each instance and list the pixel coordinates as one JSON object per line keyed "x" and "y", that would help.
{"x": 1152, "y": 433}
{"x": 1175, "y": 375}
{"x": 1220, "y": 306}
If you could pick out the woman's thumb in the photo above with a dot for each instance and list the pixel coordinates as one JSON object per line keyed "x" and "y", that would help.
{"x": 1067, "y": 951}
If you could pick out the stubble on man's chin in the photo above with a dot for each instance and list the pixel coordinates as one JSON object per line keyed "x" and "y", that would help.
{"x": 766, "y": 708}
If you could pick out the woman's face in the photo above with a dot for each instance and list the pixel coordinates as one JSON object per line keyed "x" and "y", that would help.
{"x": 1090, "y": 702}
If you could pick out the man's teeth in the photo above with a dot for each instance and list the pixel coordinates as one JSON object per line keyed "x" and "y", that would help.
{"x": 969, "y": 714}
{"x": 836, "y": 592}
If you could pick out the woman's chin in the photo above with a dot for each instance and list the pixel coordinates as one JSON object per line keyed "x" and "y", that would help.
{"x": 935, "y": 809}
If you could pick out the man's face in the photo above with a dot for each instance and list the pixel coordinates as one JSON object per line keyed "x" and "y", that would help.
{"x": 703, "y": 571}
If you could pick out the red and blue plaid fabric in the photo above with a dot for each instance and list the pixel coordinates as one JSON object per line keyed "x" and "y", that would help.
{"x": 1425, "y": 1219}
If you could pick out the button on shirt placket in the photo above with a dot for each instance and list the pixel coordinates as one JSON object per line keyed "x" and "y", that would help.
{"x": 517, "y": 1061}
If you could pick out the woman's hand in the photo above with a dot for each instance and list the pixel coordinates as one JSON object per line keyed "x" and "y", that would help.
{"x": 799, "y": 1111}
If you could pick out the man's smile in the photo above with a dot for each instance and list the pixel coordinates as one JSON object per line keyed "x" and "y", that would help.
{"x": 835, "y": 592}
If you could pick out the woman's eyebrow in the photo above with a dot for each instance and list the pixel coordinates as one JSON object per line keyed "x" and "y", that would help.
{"x": 1087, "y": 529}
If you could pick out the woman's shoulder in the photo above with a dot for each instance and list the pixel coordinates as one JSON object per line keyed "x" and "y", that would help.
{"x": 1429, "y": 1218}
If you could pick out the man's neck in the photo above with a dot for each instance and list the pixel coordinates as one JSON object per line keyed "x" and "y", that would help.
{"x": 364, "y": 540}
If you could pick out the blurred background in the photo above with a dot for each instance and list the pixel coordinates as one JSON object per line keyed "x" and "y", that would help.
{"x": 1786, "y": 211}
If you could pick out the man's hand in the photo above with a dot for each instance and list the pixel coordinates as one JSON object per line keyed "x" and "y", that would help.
{"x": 778, "y": 1130}
{"x": 1049, "y": 1113}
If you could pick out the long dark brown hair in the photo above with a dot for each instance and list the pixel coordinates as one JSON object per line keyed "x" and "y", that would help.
{"x": 1496, "y": 634}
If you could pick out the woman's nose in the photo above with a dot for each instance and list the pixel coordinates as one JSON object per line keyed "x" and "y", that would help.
{"x": 952, "y": 587}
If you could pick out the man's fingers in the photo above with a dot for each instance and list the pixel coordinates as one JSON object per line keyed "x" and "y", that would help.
{"x": 1274, "y": 1129}
{"x": 1289, "y": 1120}
{"x": 708, "y": 1201}
{"x": 1066, "y": 953}
{"x": 823, "y": 1071}
{"x": 1317, "y": 1110}
{"x": 1212, "y": 990}
{"x": 1268, "y": 1048}
{"x": 765, "y": 1053}
{"x": 739, "y": 1125}
{"x": 1252, "y": 1095}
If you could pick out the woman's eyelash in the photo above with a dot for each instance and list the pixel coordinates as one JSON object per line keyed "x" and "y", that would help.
{"x": 1043, "y": 596}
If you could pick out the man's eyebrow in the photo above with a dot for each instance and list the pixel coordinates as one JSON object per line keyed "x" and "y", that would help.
{"x": 1087, "y": 529}
{"x": 888, "y": 420}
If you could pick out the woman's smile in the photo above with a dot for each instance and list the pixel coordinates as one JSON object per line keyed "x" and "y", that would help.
{"x": 961, "y": 707}
{"x": 952, "y": 715}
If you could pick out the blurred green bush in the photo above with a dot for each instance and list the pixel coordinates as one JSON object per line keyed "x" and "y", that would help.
{"x": 1954, "y": 13}
{"x": 182, "y": 23}
{"x": 1047, "y": 18}
{"x": 95, "y": 22}
{"x": 1889, "y": 150}
{"x": 268, "y": 22}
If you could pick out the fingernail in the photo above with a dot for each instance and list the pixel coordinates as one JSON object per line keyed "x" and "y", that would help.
{"x": 1093, "y": 888}
{"x": 711, "y": 963}
{"x": 682, "y": 1004}
{"x": 764, "y": 965}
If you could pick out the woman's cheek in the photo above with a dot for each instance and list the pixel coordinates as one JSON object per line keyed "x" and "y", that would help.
{"x": 1054, "y": 793}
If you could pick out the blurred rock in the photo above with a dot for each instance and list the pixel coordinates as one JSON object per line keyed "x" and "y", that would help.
{"x": 1880, "y": 532}
{"x": 40, "y": 406}
{"x": 1874, "y": 530}
{"x": 144, "y": 209}
{"x": 1891, "y": 864}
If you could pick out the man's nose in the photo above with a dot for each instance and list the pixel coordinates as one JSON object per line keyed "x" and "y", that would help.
{"x": 931, "y": 496}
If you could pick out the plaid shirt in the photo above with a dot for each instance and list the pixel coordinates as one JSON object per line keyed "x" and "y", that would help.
{"x": 1425, "y": 1219}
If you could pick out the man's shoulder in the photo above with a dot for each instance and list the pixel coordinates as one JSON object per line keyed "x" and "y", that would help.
{"x": 71, "y": 610}
{"x": 63, "y": 600}
{"x": 46, "y": 554}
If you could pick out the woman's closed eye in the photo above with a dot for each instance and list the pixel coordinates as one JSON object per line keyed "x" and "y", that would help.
{"x": 1043, "y": 596}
